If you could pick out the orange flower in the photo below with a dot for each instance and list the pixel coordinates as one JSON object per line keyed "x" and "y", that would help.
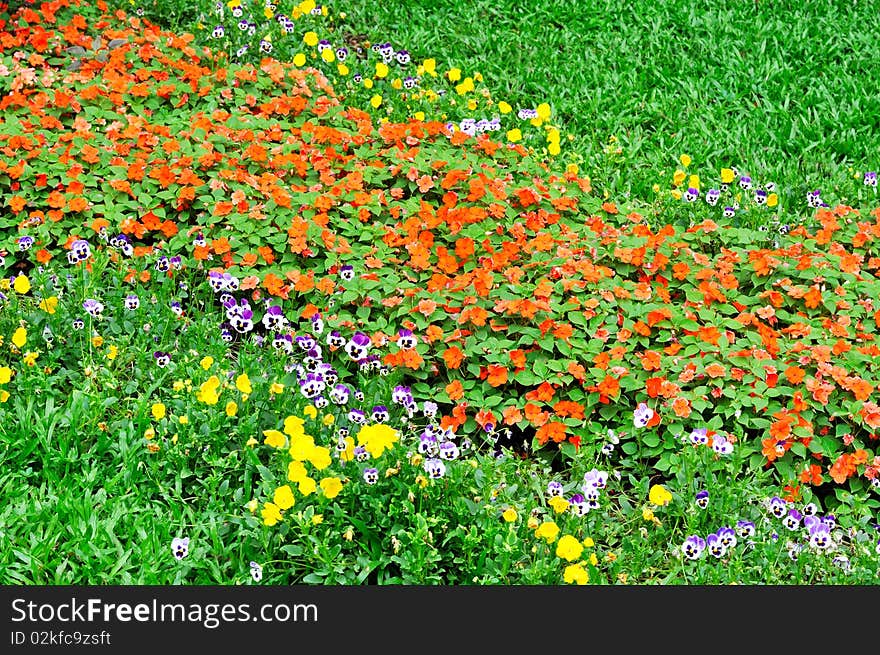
{"x": 795, "y": 374}
{"x": 483, "y": 417}
{"x": 812, "y": 475}
{"x": 512, "y": 415}
{"x": 551, "y": 431}
{"x": 453, "y": 357}
{"x": 455, "y": 390}
{"x": 843, "y": 468}
{"x": 715, "y": 370}
{"x": 681, "y": 407}
{"x": 608, "y": 388}
{"x": 543, "y": 393}
{"x": 427, "y": 307}
{"x": 497, "y": 375}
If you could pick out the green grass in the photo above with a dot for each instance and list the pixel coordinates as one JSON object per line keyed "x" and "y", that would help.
{"x": 786, "y": 91}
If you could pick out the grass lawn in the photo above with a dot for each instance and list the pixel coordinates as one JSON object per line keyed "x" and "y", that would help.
{"x": 260, "y": 322}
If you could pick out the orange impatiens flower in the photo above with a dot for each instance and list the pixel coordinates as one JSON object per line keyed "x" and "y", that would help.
{"x": 453, "y": 356}
{"x": 455, "y": 390}
{"x": 681, "y": 407}
{"x": 843, "y": 468}
{"x": 812, "y": 475}
{"x": 543, "y": 393}
{"x": 551, "y": 431}
{"x": 496, "y": 375}
{"x": 512, "y": 415}
{"x": 715, "y": 370}
{"x": 608, "y": 388}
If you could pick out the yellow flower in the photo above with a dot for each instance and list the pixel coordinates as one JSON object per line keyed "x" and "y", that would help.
{"x": 558, "y": 503}
{"x": 320, "y": 457}
{"x": 554, "y": 149}
{"x": 49, "y": 304}
{"x": 158, "y": 411}
{"x": 381, "y": 69}
{"x": 422, "y": 481}
{"x": 299, "y": 59}
{"x": 594, "y": 560}
{"x": 271, "y": 514}
{"x": 465, "y": 86}
{"x": 328, "y": 419}
{"x": 317, "y": 519}
{"x": 419, "y": 115}
{"x": 514, "y": 135}
{"x": 377, "y": 438}
{"x": 243, "y": 383}
{"x": 454, "y": 74}
{"x": 532, "y": 523}
{"x": 391, "y": 471}
{"x": 328, "y": 55}
{"x": 685, "y": 160}
{"x": 251, "y": 442}
{"x": 478, "y": 77}
{"x": 206, "y": 362}
{"x": 569, "y": 548}
{"x": 184, "y": 420}
{"x": 21, "y": 284}
{"x": 306, "y": 6}
{"x": 19, "y": 337}
{"x": 342, "y": 69}
{"x": 4, "y": 395}
{"x": 572, "y": 168}
{"x": 30, "y": 358}
{"x": 331, "y": 487}
{"x": 678, "y": 177}
{"x": 5, "y": 374}
{"x": 726, "y": 175}
{"x": 207, "y": 392}
{"x": 231, "y": 408}
{"x": 543, "y": 111}
{"x": 509, "y": 515}
{"x": 504, "y": 107}
{"x": 675, "y": 193}
{"x": 647, "y": 514}
{"x": 472, "y": 104}
{"x": 293, "y": 426}
{"x": 772, "y": 200}
{"x": 283, "y": 497}
{"x": 112, "y": 351}
{"x": 348, "y": 535}
{"x": 301, "y": 447}
{"x": 274, "y": 438}
{"x": 430, "y": 66}
{"x": 694, "y": 181}
{"x": 307, "y": 486}
{"x": 588, "y": 542}
{"x": 659, "y": 496}
{"x": 97, "y": 341}
{"x": 252, "y": 505}
{"x": 296, "y": 471}
{"x": 575, "y": 573}
{"x": 548, "y": 531}
{"x": 375, "y": 101}
{"x": 368, "y": 83}
{"x": 310, "y": 39}
{"x": 149, "y": 433}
